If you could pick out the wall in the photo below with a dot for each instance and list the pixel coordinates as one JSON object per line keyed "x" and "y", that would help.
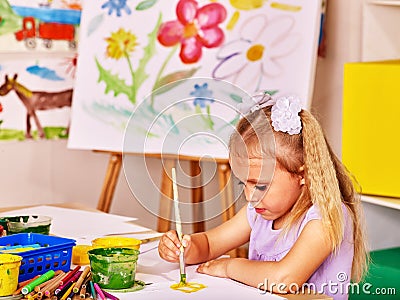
{"x": 48, "y": 172}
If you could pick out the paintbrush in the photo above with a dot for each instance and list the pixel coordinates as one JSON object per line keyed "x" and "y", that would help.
{"x": 178, "y": 225}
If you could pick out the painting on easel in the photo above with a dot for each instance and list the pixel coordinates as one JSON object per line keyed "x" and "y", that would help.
{"x": 39, "y": 25}
{"x": 35, "y": 97}
{"x": 135, "y": 57}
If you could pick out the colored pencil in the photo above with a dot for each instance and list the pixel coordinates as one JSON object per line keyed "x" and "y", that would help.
{"x": 24, "y": 283}
{"x": 51, "y": 287}
{"x": 64, "y": 290}
{"x": 70, "y": 274}
{"x": 74, "y": 278}
{"x": 99, "y": 291}
{"x": 92, "y": 289}
{"x": 109, "y": 296}
{"x": 78, "y": 284}
{"x": 67, "y": 292}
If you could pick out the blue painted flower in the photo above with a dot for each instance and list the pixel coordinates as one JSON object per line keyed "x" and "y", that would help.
{"x": 202, "y": 94}
{"x": 116, "y": 5}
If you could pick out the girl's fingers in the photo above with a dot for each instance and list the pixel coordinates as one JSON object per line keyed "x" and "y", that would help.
{"x": 173, "y": 237}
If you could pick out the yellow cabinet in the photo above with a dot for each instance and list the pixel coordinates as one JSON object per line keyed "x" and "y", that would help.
{"x": 371, "y": 125}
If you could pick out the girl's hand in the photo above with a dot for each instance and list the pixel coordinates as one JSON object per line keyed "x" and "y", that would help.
{"x": 216, "y": 267}
{"x": 169, "y": 245}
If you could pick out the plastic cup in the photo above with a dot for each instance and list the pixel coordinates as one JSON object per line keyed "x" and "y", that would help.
{"x": 113, "y": 268}
{"x": 9, "y": 271}
{"x": 26, "y": 224}
{"x": 116, "y": 242}
{"x": 80, "y": 254}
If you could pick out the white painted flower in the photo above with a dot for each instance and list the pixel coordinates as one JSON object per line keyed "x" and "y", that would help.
{"x": 258, "y": 52}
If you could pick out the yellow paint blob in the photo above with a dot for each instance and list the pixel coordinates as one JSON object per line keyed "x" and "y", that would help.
{"x": 188, "y": 287}
{"x": 255, "y": 52}
{"x": 287, "y": 7}
{"x": 233, "y": 20}
{"x": 9, "y": 271}
{"x": 190, "y": 30}
{"x": 247, "y": 4}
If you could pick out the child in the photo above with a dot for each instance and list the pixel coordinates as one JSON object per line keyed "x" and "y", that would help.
{"x": 303, "y": 220}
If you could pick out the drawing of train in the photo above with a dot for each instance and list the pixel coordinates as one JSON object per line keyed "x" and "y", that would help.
{"x": 47, "y": 31}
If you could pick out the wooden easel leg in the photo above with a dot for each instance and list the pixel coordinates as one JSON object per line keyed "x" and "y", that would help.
{"x": 226, "y": 191}
{"x": 197, "y": 196}
{"x": 110, "y": 181}
{"x": 164, "y": 214}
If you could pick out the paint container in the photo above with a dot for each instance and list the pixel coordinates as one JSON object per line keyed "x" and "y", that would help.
{"x": 113, "y": 268}
{"x": 80, "y": 254}
{"x": 116, "y": 242}
{"x": 9, "y": 271}
{"x": 26, "y": 224}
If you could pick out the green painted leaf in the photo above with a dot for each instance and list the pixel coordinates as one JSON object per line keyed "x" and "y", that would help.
{"x": 235, "y": 98}
{"x": 146, "y": 4}
{"x": 172, "y": 80}
{"x": 271, "y": 92}
{"x": 114, "y": 84}
{"x": 148, "y": 53}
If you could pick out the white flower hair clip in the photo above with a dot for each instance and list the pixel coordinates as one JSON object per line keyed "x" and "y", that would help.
{"x": 284, "y": 112}
{"x": 285, "y": 115}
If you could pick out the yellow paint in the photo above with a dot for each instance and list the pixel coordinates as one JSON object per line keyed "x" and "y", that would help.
{"x": 233, "y": 20}
{"x": 116, "y": 242}
{"x": 80, "y": 254}
{"x": 370, "y": 140}
{"x": 255, "y": 52}
{"x": 287, "y": 7}
{"x": 188, "y": 287}
{"x": 9, "y": 271}
{"x": 247, "y": 4}
{"x": 190, "y": 30}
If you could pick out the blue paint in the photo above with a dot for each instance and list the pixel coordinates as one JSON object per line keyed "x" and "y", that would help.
{"x": 116, "y": 5}
{"x": 46, "y": 14}
{"x": 44, "y": 73}
{"x": 202, "y": 94}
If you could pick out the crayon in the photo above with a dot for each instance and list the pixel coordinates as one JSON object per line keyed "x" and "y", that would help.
{"x": 30, "y": 286}
{"x": 99, "y": 291}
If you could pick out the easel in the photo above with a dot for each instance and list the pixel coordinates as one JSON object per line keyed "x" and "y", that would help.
{"x": 164, "y": 224}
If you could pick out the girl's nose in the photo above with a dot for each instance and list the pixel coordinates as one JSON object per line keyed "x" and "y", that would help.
{"x": 251, "y": 195}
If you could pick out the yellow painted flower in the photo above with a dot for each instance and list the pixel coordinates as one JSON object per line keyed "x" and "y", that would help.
{"x": 120, "y": 43}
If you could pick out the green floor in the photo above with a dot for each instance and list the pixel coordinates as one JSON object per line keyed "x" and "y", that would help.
{"x": 383, "y": 279}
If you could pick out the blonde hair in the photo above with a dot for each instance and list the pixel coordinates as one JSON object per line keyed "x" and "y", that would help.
{"x": 327, "y": 182}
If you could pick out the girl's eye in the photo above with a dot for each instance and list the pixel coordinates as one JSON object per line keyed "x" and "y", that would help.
{"x": 240, "y": 183}
{"x": 261, "y": 187}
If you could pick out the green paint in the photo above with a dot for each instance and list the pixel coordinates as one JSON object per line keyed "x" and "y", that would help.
{"x": 12, "y": 134}
{"x": 25, "y": 224}
{"x": 114, "y": 268}
{"x": 8, "y": 272}
{"x": 146, "y": 4}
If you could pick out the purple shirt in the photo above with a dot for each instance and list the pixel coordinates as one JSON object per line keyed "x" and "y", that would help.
{"x": 333, "y": 275}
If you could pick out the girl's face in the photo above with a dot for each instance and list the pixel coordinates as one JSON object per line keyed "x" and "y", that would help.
{"x": 270, "y": 189}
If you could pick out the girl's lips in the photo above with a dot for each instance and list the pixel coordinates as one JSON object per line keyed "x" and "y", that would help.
{"x": 260, "y": 210}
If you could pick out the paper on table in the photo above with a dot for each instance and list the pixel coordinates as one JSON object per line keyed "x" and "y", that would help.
{"x": 75, "y": 223}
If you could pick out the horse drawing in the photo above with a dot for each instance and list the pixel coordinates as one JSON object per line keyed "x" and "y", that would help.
{"x": 35, "y": 100}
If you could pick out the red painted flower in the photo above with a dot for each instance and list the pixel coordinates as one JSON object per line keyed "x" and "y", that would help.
{"x": 1, "y": 107}
{"x": 194, "y": 28}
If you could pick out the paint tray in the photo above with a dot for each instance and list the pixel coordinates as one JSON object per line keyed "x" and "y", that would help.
{"x": 54, "y": 253}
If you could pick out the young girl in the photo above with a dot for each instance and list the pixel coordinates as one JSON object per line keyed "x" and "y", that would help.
{"x": 303, "y": 218}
